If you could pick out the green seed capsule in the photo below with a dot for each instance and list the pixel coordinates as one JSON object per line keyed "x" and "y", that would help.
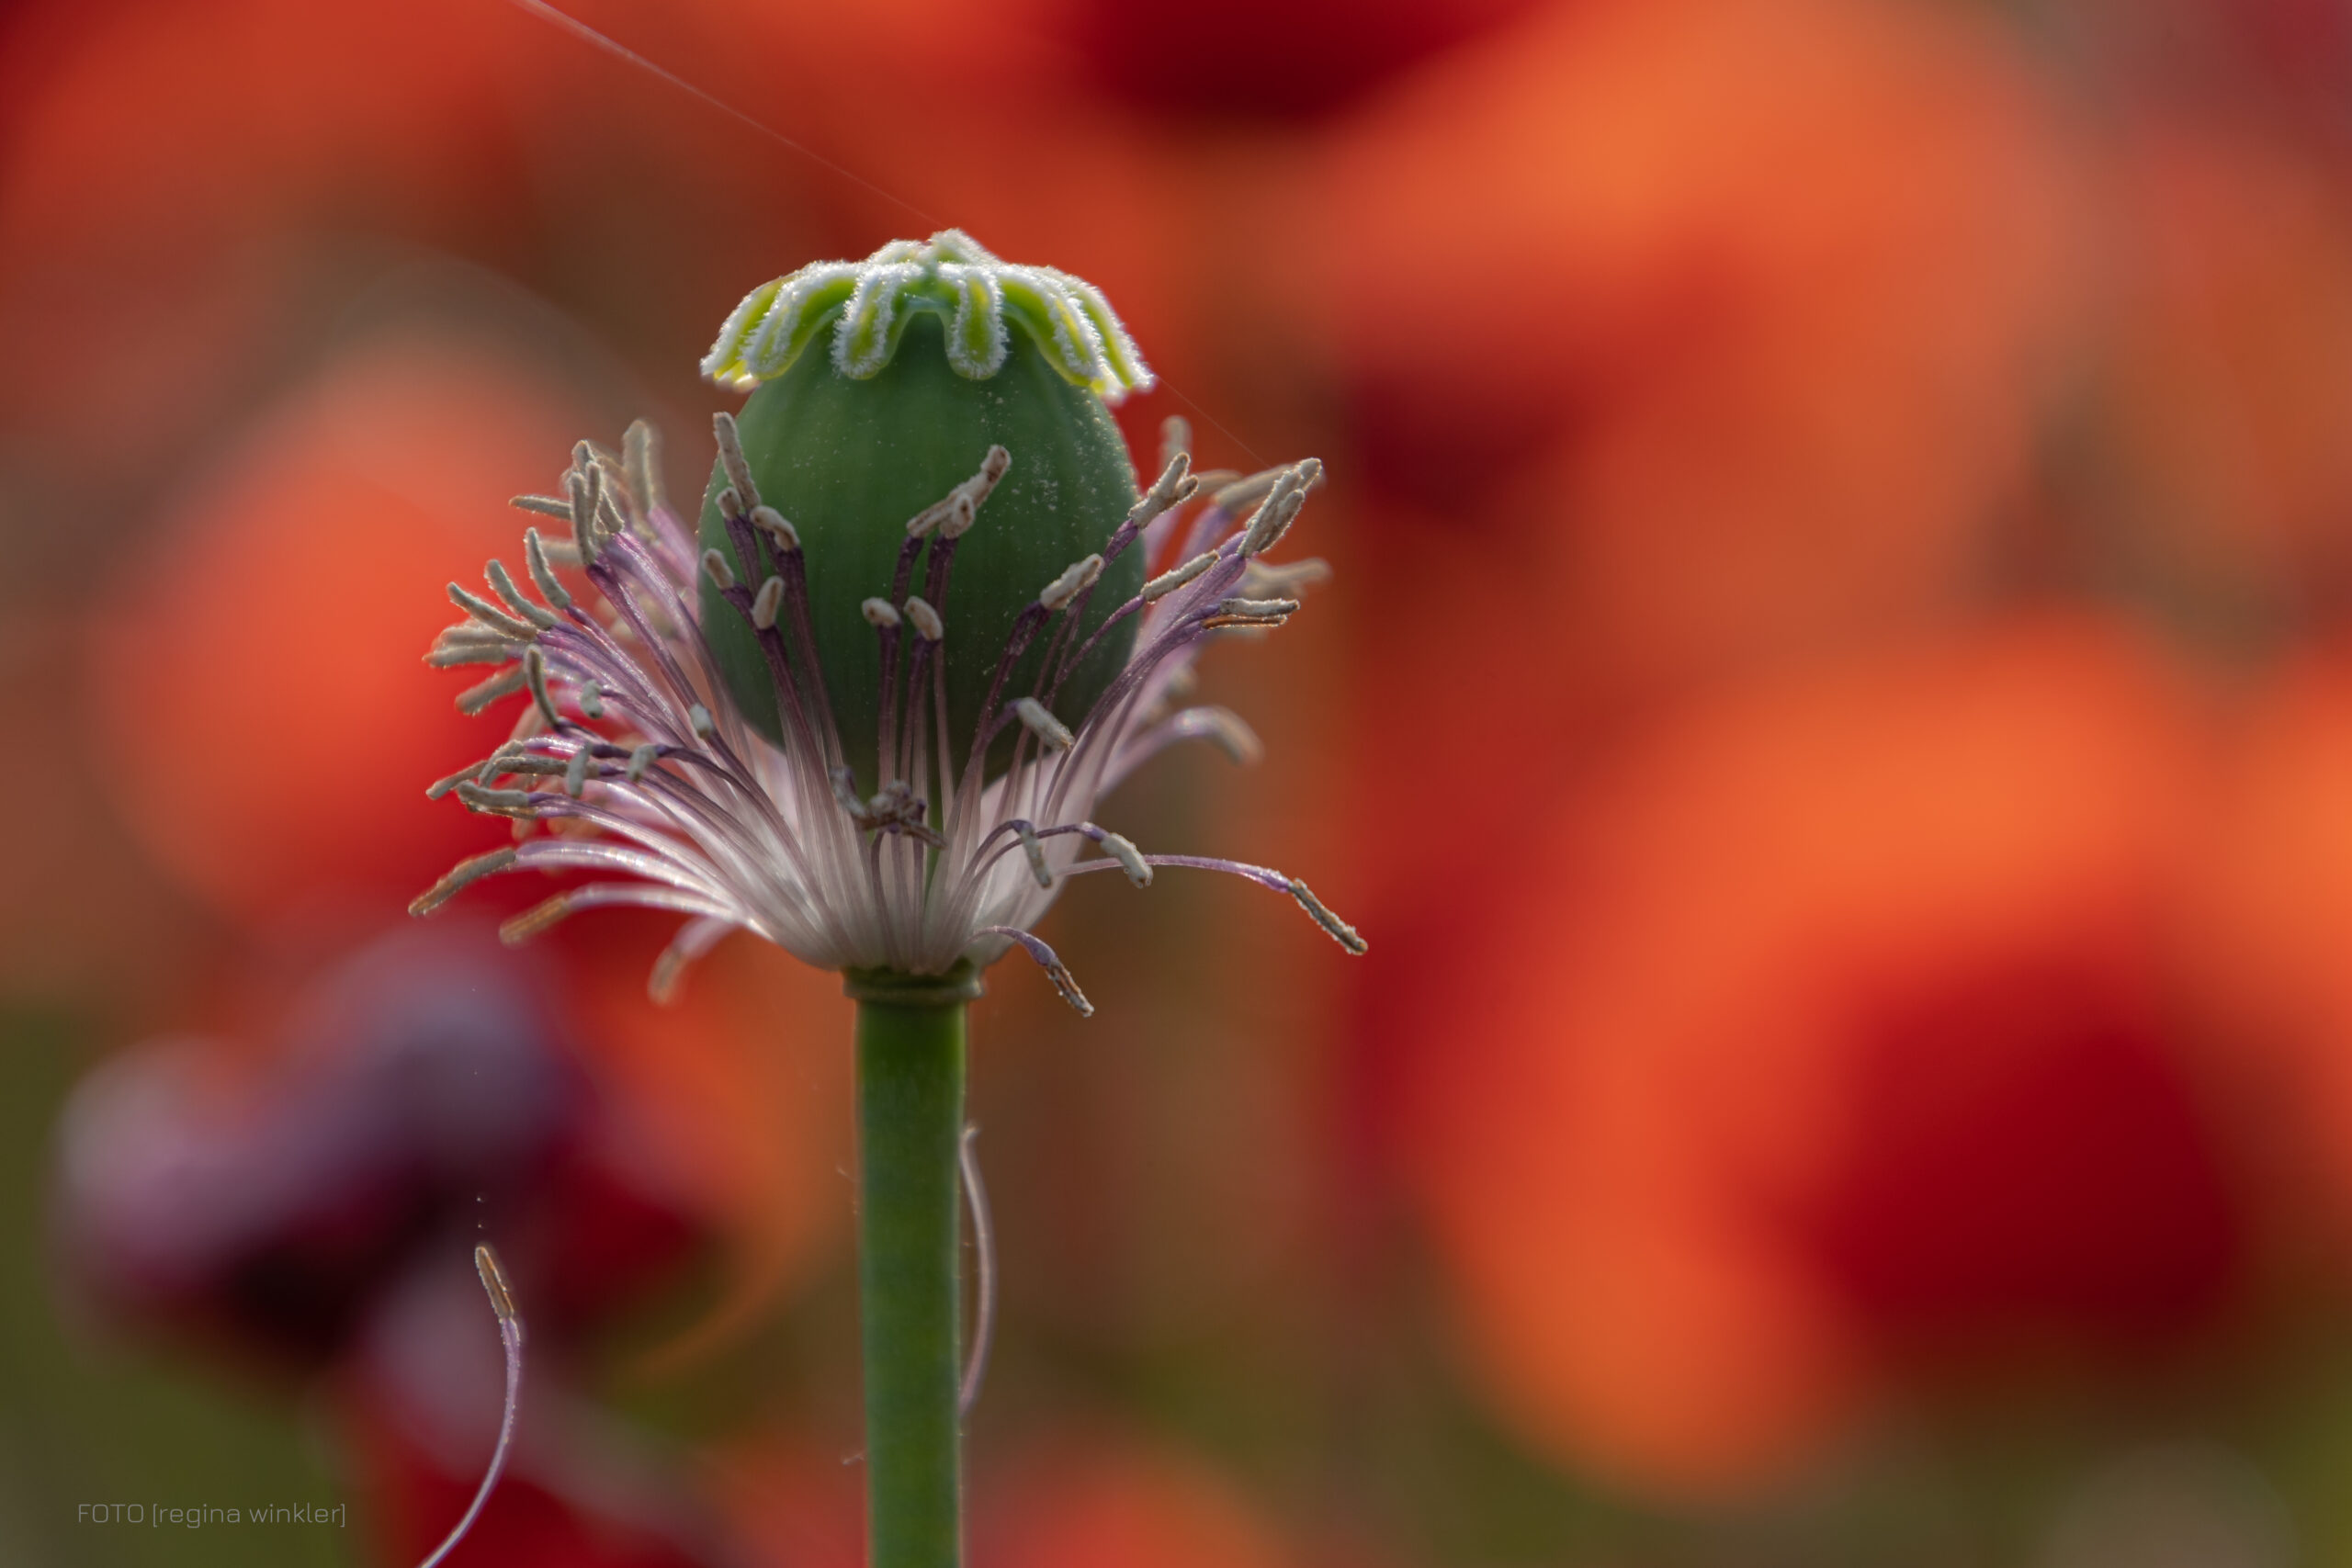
{"x": 933, "y": 379}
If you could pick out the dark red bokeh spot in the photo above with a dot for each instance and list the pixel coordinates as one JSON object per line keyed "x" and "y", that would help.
{"x": 1282, "y": 60}
{"x": 2026, "y": 1162}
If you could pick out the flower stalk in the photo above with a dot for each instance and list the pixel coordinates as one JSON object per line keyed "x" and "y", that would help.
{"x": 910, "y": 1054}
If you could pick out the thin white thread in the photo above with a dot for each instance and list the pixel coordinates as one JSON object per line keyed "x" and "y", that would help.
{"x": 589, "y": 35}
{"x": 984, "y": 1246}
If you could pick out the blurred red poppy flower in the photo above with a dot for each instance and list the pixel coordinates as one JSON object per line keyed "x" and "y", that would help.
{"x": 1826, "y": 1043}
{"x": 2265, "y": 943}
{"x": 269, "y": 1193}
{"x": 1711, "y": 328}
{"x": 2224, "y": 433}
{"x": 259, "y": 693}
{"x": 312, "y": 1206}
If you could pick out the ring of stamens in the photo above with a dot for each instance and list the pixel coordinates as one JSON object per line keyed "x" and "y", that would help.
{"x": 719, "y": 825}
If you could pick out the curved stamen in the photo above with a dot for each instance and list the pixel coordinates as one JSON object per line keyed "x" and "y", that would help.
{"x": 539, "y": 917}
{"x": 1055, "y": 970}
{"x": 509, "y": 1337}
{"x": 1227, "y": 731}
{"x": 716, "y": 824}
{"x": 694, "y": 938}
{"x": 1346, "y": 935}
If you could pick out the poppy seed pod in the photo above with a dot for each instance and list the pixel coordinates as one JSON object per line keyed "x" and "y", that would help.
{"x": 939, "y": 352}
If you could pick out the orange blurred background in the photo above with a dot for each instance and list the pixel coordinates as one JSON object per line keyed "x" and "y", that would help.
{"x": 1834, "y": 714}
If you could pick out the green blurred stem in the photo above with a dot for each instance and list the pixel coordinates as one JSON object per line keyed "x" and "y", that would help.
{"x": 909, "y": 1122}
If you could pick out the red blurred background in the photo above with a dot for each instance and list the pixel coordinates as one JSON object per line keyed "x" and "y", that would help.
{"x": 1834, "y": 714}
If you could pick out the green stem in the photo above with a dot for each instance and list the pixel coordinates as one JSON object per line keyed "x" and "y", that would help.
{"x": 910, "y": 1122}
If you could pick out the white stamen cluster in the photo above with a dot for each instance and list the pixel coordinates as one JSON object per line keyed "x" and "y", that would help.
{"x": 633, "y": 757}
{"x": 949, "y": 275}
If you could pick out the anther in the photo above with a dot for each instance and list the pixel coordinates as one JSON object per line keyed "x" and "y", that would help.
{"x": 581, "y": 489}
{"x": 1050, "y": 731}
{"x": 698, "y": 719}
{"x": 545, "y": 505}
{"x": 640, "y": 760}
{"x": 1173, "y": 487}
{"x": 1287, "y": 579}
{"x": 1075, "y": 578}
{"x": 499, "y": 802}
{"x": 464, "y": 874}
{"x": 992, "y": 468}
{"x": 1341, "y": 932}
{"x": 608, "y": 515}
{"x": 1225, "y": 729}
{"x": 954, "y": 514}
{"x": 642, "y": 462}
{"x": 1175, "y": 439}
{"x": 1267, "y": 521}
{"x": 1067, "y": 984}
{"x": 1168, "y": 582}
{"x": 881, "y": 613}
{"x": 938, "y": 512}
{"x": 1055, "y": 970}
{"x": 591, "y": 699}
{"x": 731, "y": 457}
{"x": 1243, "y": 493}
{"x": 534, "y": 556}
{"x": 470, "y": 633}
{"x": 764, "y": 605}
{"x": 499, "y": 761}
{"x": 1272, "y": 521}
{"x": 504, "y": 586}
{"x": 493, "y": 1282}
{"x": 448, "y": 656}
{"x": 769, "y": 521}
{"x": 491, "y": 615}
{"x": 720, "y": 572}
{"x": 448, "y": 782}
{"x": 1130, "y": 858}
{"x": 475, "y": 698}
{"x": 522, "y": 928}
{"x": 926, "y": 619}
{"x": 534, "y": 672}
{"x": 575, "y": 774}
{"x": 1258, "y": 609}
{"x": 1036, "y": 850}
{"x": 731, "y": 501}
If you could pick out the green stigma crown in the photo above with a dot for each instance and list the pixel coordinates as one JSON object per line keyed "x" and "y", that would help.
{"x": 949, "y": 275}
